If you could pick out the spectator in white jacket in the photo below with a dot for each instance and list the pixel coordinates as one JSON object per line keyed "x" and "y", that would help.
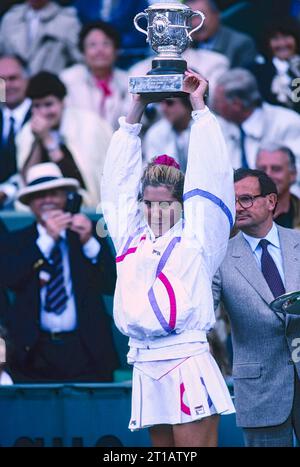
{"x": 43, "y": 34}
{"x": 76, "y": 140}
{"x": 247, "y": 121}
{"x": 97, "y": 85}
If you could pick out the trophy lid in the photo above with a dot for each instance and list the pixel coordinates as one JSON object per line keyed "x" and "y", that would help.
{"x": 287, "y": 303}
{"x": 170, "y": 6}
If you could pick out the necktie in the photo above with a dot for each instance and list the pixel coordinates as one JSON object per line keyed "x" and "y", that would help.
{"x": 104, "y": 86}
{"x": 8, "y": 165}
{"x": 11, "y": 133}
{"x": 270, "y": 271}
{"x": 244, "y": 162}
{"x": 56, "y": 294}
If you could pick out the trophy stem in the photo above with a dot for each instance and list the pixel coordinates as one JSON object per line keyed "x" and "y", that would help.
{"x": 167, "y": 66}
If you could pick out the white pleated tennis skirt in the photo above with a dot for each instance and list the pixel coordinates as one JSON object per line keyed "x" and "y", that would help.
{"x": 178, "y": 391}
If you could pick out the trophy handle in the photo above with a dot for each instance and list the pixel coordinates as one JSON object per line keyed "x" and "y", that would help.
{"x": 202, "y": 15}
{"x": 136, "y": 19}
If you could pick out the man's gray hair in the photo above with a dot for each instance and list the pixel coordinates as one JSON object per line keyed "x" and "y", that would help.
{"x": 272, "y": 146}
{"x": 20, "y": 62}
{"x": 240, "y": 83}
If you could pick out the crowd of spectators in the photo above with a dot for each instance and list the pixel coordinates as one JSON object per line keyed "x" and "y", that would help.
{"x": 65, "y": 68}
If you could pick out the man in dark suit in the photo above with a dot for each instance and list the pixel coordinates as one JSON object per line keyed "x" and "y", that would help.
{"x": 238, "y": 47}
{"x": 58, "y": 269}
{"x": 13, "y": 114}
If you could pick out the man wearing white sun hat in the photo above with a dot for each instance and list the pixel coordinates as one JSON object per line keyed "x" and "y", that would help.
{"x": 57, "y": 269}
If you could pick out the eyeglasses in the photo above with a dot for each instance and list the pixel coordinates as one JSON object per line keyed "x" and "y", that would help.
{"x": 247, "y": 201}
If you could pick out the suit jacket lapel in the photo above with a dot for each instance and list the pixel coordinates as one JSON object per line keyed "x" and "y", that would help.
{"x": 291, "y": 260}
{"x": 246, "y": 264}
{"x": 27, "y": 117}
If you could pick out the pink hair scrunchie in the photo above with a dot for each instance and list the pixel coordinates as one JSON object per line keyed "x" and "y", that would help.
{"x": 164, "y": 159}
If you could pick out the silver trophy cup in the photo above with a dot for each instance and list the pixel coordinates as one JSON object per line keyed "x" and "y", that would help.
{"x": 169, "y": 33}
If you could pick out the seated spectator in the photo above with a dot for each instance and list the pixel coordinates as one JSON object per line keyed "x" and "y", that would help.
{"x": 74, "y": 139}
{"x": 57, "y": 268}
{"x": 97, "y": 85}
{"x": 42, "y": 33}
{"x": 5, "y": 379}
{"x": 246, "y": 120}
{"x": 171, "y": 134}
{"x": 238, "y": 47}
{"x": 14, "y": 113}
{"x": 279, "y": 163}
{"x": 276, "y": 73}
{"x": 118, "y": 13}
{"x": 261, "y": 263}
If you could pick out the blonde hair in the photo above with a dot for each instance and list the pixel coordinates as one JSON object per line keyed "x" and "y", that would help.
{"x": 166, "y": 175}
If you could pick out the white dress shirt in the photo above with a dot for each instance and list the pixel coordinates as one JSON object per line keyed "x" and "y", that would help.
{"x": 66, "y": 321}
{"x": 33, "y": 22}
{"x": 274, "y": 248}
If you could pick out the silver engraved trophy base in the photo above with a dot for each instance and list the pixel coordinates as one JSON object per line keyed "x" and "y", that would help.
{"x": 165, "y": 85}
